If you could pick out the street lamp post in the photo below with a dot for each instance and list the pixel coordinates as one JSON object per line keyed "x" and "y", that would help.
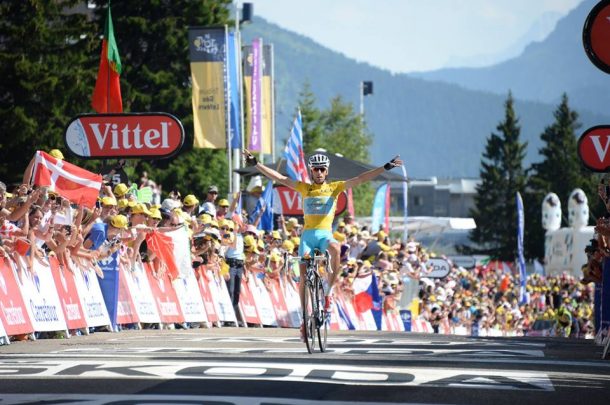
{"x": 240, "y": 18}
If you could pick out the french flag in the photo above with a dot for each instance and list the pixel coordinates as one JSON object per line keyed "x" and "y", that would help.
{"x": 367, "y": 297}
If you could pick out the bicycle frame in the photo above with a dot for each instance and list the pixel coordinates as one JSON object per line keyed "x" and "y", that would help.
{"x": 314, "y": 316}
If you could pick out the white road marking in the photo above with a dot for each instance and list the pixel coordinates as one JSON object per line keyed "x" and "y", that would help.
{"x": 280, "y": 371}
{"x": 84, "y": 399}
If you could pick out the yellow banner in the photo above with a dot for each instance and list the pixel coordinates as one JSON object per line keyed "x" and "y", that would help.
{"x": 207, "y": 48}
{"x": 209, "y": 105}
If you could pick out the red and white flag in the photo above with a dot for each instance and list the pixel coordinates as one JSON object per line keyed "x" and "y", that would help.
{"x": 74, "y": 183}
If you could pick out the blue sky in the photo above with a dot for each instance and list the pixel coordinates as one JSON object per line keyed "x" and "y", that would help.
{"x": 418, "y": 35}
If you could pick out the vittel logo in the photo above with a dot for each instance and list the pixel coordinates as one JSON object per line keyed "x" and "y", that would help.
{"x": 594, "y": 148}
{"x": 124, "y": 135}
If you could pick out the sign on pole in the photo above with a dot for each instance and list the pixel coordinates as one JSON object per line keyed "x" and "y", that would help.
{"x": 595, "y": 35}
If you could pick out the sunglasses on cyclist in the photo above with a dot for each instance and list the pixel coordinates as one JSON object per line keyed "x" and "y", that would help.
{"x": 319, "y": 169}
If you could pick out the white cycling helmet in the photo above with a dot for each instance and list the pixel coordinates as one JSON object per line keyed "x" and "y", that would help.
{"x": 319, "y": 160}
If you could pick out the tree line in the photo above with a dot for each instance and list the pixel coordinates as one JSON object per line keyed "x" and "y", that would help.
{"x": 49, "y": 56}
{"x": 503, "y": 175}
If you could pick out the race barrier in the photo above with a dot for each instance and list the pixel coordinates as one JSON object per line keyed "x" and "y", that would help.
{"x": 49, "y": 297}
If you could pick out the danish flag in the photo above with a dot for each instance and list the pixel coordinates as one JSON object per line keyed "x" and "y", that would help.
{"x": 69, "y": 181}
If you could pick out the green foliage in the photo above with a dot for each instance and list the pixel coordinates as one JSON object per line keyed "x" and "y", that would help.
{"x": 47, "y": 70}
{"x": 502, "y": 176}
{"x": 153, "y": 44}
{"x": 559, "y": 172}
{"x": 49, "y": 56}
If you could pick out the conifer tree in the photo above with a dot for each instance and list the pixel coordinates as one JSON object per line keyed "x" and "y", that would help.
{"x": 502, "y": 175}
{"x": 47, "y": 77}
{"x": 560, "y": 172}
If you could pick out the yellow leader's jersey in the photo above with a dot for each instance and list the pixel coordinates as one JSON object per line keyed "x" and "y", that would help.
{"x": 319, "y": 203}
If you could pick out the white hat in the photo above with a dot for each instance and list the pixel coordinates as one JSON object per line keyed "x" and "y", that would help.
{"x": 170, "y": 204}
{"x": 255, "y": 181}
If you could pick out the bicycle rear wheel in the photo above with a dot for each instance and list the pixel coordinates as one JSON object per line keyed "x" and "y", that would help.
{"x": 309, "y": 317}
{"x": 322, "y": 324}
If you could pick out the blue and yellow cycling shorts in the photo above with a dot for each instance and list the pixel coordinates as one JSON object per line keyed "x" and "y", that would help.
{"x": 315, "y": 239}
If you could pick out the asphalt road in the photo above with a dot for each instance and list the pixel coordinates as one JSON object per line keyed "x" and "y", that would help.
{"x": 271, "y": 366}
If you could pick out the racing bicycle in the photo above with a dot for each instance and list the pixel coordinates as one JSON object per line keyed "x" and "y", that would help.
{"x": 314, "y": 317}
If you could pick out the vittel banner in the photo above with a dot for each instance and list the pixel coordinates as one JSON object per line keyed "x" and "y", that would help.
{"x": 141, "y": 135}
{"x": 593, "y": 148}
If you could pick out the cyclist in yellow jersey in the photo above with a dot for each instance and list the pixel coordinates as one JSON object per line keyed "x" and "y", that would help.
{"x": 319, "y": 202}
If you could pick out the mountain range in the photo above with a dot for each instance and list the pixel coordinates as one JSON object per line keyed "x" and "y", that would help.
{"x": 439, "y": 121}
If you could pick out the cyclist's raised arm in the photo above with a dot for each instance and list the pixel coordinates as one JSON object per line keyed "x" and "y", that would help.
{"x": 371, "y": 174}
{"x": 267, "y": 171}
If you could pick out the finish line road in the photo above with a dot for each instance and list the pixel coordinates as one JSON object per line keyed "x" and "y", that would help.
{"x": 271, "y": 366}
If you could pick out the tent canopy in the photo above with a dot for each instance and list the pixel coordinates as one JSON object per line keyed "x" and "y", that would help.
{"x": 341, "y": 168}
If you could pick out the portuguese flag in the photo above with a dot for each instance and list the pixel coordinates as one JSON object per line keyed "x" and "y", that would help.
{"x": 107, "y": 94}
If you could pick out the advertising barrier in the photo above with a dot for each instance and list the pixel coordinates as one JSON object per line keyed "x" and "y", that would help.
{"x": 51, "y": 297}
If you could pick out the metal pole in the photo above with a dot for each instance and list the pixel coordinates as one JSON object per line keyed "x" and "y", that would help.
{"x": 362, "y": 101}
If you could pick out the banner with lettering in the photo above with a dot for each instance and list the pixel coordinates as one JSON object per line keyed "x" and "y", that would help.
{"x": 38, "y": 290}
{"x": 13, "y": 312}
{"x": 208, "y": 55}
{"x": 263, "y": 301}
{"x": 142, "y": 296}
{"x": 218, "y": 288}
{"x": 91, "y": 298}
{"x": 190, "y": 299}
{"x": 206, "y": 294}
{"x": 165, "y": 297}
{"x": 126, "y": 308}
{"x": 109, "y": 285}
{"x": 267, "y": 100}
{"x": 266, "y": 94}
{"x": 68, "y": 295}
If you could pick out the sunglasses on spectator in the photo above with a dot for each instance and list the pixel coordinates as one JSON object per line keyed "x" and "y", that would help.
{"x": 224, "y": 228}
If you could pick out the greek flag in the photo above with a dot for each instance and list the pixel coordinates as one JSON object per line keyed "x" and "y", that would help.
{"x": 293, "y": 153}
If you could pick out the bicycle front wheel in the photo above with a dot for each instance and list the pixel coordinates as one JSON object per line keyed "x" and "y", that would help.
{"x": 322, "y": 323}
{"x": 309, "y": 317}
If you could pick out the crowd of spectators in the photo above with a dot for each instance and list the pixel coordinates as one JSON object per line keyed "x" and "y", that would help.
{"x": 36, "y": 221}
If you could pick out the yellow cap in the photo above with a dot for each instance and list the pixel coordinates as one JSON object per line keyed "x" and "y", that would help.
{"x": 276, "y": 235}
{"x": 119, "y": 221}
{"x": 155, "y": 213}
{"x": 140, "y": 209}
{"x": 339, "y": 236}
{"x": 341, "y": 223}
{"x": 288, "y": 246}
{"x": 250, "y": 243}
{"x": 226, "y": 223}
{"x": 109, "y": 201}
{"x": 190, "y": 200}
{"x": 274, "y": 257}
{"x": 214, "y": 223}
{"x": 223, "y": 202}
{"x": 124, "y": 203}
{"x": 296, "y": 240}
{"x": 205, "y": 218}
{"x": 120, "y": 189}
{"x": 56, "y": 153}
{"x": 261, "y": 244}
